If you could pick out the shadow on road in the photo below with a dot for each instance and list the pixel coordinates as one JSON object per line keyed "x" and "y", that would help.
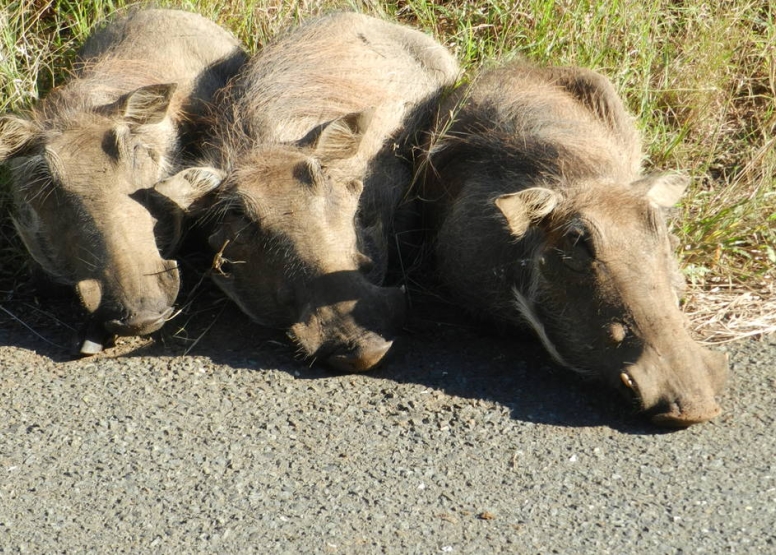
{"x": 440, "y": 349}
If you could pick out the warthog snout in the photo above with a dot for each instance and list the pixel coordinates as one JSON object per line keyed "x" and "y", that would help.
{"x": 141, "y": 323}
{"x": 351, "y": 335}
{"x": 127, "y": 303}
{"x": 98, "y": 333}
{"x": 363, "y": 357}
{"x": 677, "y": 391}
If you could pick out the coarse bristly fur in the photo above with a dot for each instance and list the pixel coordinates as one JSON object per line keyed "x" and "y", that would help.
{"x": 85, "y": 160}
{"x": 539, "y": 214}
{"x": 315, "y": 137}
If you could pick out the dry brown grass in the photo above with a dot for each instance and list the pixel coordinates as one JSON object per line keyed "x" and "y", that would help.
{"x": 731, "y": 312}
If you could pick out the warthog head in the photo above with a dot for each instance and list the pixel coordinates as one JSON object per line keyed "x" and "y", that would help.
{"x": 291, "y": 252}
{"x": 603, "y": 293}
{"x": 80, "y": 182}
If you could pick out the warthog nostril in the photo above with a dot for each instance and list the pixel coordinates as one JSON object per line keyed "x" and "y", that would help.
{"x": 360, "y": 359}
{"x": 677, "y": 416}
{"x": 139, "y": 324}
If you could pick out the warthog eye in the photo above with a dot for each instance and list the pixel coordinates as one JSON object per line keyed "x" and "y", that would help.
{"x": 575, "y": 249}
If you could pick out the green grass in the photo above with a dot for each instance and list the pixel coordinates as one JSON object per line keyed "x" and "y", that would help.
{"x": 699, "y": 76}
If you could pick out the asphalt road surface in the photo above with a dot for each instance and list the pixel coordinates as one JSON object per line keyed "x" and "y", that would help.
{"x": 464, "y": 443}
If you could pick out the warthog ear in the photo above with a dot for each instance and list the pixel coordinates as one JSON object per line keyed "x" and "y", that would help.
{"x": 341, "y": 137}
{"x": 188, "y": 186}
{"x": 16, "y": 135}
{"x": 664, "y": 189}
{"x": 146, "y": 105}
{"x": 525, "y": 207}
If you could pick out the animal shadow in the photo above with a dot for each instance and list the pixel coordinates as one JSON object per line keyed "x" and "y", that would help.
{"x": 441, "y": 348}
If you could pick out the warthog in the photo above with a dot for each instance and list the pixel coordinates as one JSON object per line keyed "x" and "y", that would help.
{"x": 541, "y": 216}
{"x": 84, "y": 161}
{"x": 313, "y": 145}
